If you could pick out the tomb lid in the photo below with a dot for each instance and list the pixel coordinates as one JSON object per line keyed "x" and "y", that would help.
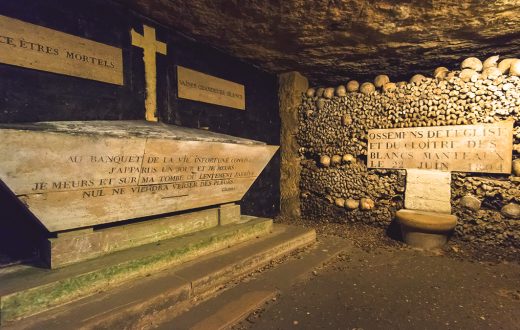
{"x": 130, "y": 128}
{"x": 80, "y": 174}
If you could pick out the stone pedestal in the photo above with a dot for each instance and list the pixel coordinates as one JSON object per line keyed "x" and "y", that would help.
{"x": 426, "y": 222}
{"x": 425, "y": 230}
{"x": 428, "y": 190}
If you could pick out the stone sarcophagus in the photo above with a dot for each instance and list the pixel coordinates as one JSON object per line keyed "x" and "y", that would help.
{"x": 79, "y": 175}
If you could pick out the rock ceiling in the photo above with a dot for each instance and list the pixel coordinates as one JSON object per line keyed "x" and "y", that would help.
{"x": 331, "y": 41}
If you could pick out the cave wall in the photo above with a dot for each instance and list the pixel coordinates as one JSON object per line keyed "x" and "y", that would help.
{"x": 28, "y": 95}
{"x": 336, "y": 184}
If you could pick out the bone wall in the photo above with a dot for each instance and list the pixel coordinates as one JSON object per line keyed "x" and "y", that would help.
{"x": 336, "y": 184}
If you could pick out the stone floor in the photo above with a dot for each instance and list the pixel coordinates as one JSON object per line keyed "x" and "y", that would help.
{"x": 380, "y": 283}
{"x": 385, "y": 285}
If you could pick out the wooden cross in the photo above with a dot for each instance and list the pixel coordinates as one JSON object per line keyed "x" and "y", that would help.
{"x": 150, "y": 46}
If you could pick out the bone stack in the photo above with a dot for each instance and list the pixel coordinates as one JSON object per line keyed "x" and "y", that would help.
{"x": 333, "y": 126}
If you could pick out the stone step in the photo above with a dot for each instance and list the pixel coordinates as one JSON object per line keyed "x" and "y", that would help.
{"x": 153, "y": 299}
{"x": 26, "y": 290}
{"x": 235, "y": 304}
{"x": 229, "y": 313}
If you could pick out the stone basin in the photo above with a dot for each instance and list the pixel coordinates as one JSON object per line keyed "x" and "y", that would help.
{"x": 425, "y": 230}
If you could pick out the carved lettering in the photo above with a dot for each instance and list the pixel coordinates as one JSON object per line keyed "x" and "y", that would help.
{"x": 198, "y": 86}
{"x": 77, "y": 180}
{"x": 470, "y": 148}
{"x": 36, "y": 47}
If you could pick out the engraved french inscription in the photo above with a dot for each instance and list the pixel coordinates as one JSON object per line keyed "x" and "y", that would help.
{"x": 483, "y": 148}
{"x": 71, "y": 181}
{"x": 36, "y": 47}
{"x": 198, "y": 86}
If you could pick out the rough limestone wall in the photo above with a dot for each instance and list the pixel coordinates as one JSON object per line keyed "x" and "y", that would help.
{"x": 333, "y": 124}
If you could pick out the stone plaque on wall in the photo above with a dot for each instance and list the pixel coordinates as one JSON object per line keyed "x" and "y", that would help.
{"x": 198, "y": 86}
{"x": 78, "y": 174}
{"x": 483, "y": 148}
{"x": 36, "y": 47}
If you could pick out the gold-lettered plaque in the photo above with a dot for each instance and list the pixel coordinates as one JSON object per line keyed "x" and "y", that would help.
{"x": 36, "y": 47}
{"x": 198, "y": 86}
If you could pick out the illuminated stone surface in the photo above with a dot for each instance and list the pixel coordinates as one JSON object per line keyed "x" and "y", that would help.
{"x": 79, "y": 174}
